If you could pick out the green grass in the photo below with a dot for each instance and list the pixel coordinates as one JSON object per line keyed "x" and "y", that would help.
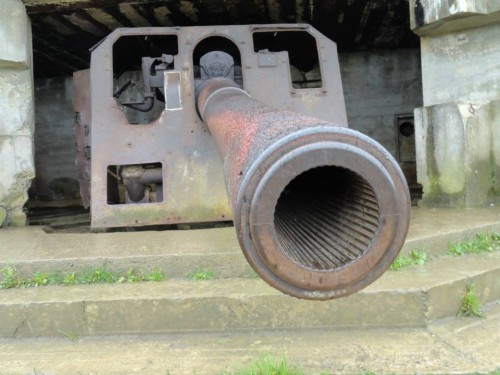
{"x": 494, "y": 372}
{"x": 201, "y": 273}
{"x": 480, "y": 244}
{"x": 416, "y": 257}
{"x": 470, "y": 305}
{"x": 73, "y": 336}
{"x": 9, "y": 277}
{"x": 268, "y": 365}
{"x": 251, "y": 274}
{"x": 156, "y": 275}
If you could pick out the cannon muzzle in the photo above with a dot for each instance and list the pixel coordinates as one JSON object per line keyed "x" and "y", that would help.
{"x": 320, "y": 210}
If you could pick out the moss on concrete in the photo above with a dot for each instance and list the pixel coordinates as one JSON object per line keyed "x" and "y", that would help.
{"x": 434, "y": 196}
{"x": 3, "y": 216}
{"x": 473, "y": 179}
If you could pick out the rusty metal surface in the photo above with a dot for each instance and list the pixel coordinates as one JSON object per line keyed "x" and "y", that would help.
{"x": 136, "y": 180}
{"x": 193, "y": 183}
{"x": 321, "y": 211}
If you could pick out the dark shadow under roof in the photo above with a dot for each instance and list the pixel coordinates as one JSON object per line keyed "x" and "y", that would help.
{"x": 64, "y": 30}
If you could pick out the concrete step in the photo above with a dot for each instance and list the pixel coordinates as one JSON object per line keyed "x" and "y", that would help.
{"x": 179, "y": 252}
{"x": 450, "y": 346}
{"x": 412, "y": 297}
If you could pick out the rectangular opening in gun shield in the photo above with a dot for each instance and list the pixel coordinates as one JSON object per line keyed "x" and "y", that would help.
{"x": 139, "y": 66}
{"x": 135, "y": 183}
{"x": 305, "y": 71}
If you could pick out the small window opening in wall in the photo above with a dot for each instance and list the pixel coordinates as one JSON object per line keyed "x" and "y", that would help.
{"x": 406, "y": 153}
{"x": 405, "y": 138}
{"x": 135, "y": 183}
{"x": 407, "y": 129}
{"x": 305, "y": 71}
{"x": 139, "y": 64}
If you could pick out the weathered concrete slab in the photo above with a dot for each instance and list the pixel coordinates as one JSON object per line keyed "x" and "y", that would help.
{"x": 409, "y": 298}
{"x": 16, "y": 158}
{"x": 430, "y": 17}
{"x": 476, "y": 339}
{"x": 433, "y": 230}
{"x": 453, "y": 67}
{"x": 394, "y": 87}
{"x": 177, "y": 253}
{"x": 186, "y": 306}
{"x": 15, "y": 35}
{"x": 457, "y": 157}
{"x": 455, "y": 346}
{"x": 3, "y": 216}
{"x": 16, "y": 105}
{"x": 16, "y": 110}
{"x": 456, "y": 132}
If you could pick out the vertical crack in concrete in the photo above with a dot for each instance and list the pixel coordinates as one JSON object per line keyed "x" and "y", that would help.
{"x": 19, "y": 327}
{"x": 453, "y": 348}
{"x": 84, "y": 324}
{"x": 425, "y": 303}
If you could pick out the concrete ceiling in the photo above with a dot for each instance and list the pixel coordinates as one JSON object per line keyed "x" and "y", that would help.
{"x": 64, "y": 30}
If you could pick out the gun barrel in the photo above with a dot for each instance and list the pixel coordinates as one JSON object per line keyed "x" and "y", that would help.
{"x": 320, "y": 210}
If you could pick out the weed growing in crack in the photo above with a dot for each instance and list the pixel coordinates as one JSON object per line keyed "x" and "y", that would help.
{"x": 470, "y": 305}
{"x": 9, "y": 277}
{"x": 268, "y": 365}
{"x": 131, "y": 277}
{"x": 416, "y": 257}
{"x": 156, "y": 275}
{"x": 252, "y": 274}
{"x": 480, "y": 244}
{"x": 98, "y": 276}
{"x": 70, "y": 279}
{"x": 201, "y": 273}
{"x": 73, "y": 336}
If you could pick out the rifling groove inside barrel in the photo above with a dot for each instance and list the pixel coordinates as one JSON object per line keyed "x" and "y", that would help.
{"x": 326, "y": 218}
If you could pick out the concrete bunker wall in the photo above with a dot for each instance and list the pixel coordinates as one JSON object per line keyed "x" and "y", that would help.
{"x": 16, "y": 112}
{"x": 457, "y": 129}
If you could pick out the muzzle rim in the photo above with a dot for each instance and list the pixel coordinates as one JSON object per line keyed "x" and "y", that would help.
{"x": 330, "y": 283}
